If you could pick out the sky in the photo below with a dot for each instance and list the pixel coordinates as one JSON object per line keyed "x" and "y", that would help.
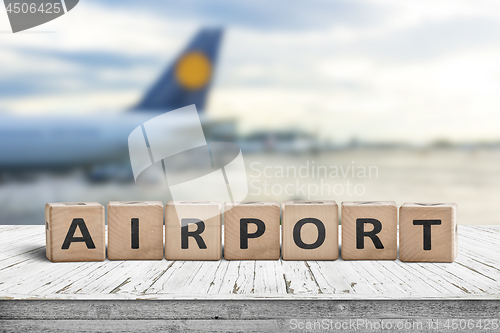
{"x": 377, "y": 70}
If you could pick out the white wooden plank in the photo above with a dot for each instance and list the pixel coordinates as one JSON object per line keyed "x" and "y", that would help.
{"x": 299, "y": 278}
{"x": 26, "y": 273}
{"x": 221, "y": 278}
{"x": 227, "y": 282}
{"x": 139, "y": 282}
{"x": 269, "y": 277}
{"x": 245, "y": 277}
{"x": 197, "y": 281}
{"x": 329, "y": 278}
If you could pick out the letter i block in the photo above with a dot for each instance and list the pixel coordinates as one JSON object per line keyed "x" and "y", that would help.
{"x": 193, "y": 230}
{"x": 428, "y": 232}
{"x": 369, "y": 230}
{"x": 135, "y": 230}
{"x": 310, "y": 230}
{"x": 75, "y": 231}
{"x": 252, "y": 231}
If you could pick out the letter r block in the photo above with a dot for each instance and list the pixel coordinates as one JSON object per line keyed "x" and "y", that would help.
{"x": 369, "y": 230}
{"x": 252, "y": 231}
{"x": 75, "y": 232}
{"x": 193, "y": 230}
{"x": 135, "y": 230}
{"x": 428, "y": 232}
{"x": 310, "y": 230}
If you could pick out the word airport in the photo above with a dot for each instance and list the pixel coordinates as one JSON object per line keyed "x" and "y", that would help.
{"x": 296, "y": 230}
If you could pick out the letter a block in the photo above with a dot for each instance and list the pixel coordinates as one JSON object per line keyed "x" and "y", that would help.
{"x": 310, "y": 230}
{"x": 369, "y": 230}
{"x": 135, "y": 230}
{"x": 193, "y": 230}
{"x": 252, "y": 231}
{"x": 428, "y": 232}
{"x": 75, "y": 231}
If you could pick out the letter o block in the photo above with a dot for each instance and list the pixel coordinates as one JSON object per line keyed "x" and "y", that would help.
{"x": 252, "y": 231}
{"x": 75, "y": 232}
{"x": 310, "y": 230}
{"x": 428, "y": 232}
{"x": 369, "y": 230}
{"x": 135, "y": 230}
{"x": 193, "y": 230}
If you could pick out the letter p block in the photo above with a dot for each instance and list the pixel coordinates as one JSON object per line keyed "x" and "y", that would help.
{"x": 252, "y": 231}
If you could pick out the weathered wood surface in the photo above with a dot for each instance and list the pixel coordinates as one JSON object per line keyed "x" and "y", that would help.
{"x": 242, "y": 315}
{"x": 25, "y": 274}
{"x": 216, "y": 326}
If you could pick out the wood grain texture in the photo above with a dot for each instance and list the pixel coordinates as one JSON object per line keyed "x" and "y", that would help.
{"x": 148, "y": 231}
{"x": 416, "y": 324}
{"x": 59, "y": 217}
{"x": 264, "y": 247}
{"x": 442, "y": 238}
{"x": 244, "y": 309}
{"x": 25, "y": 273}
{"x": 383, "y": 211}
{"x": 324, "y": 211}
{"x": 209, "y": 212}
{"x": 237, "y": 315}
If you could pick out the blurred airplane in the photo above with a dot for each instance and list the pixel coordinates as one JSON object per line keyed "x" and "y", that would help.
{"x": 98, "y": 142}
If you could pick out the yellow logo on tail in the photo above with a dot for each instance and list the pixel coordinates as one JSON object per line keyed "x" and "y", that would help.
{"x": 193, "y": 70}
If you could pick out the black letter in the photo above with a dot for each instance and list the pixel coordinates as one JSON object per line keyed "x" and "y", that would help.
{"x": 427, "y": 231}
{"x": 134, "y": 225}
{"x": 321, "y": 233}
{"x": 200, "y": 227}
{"x": 361, "y": 234}
{"x": 244, "y": 235}
{"x": 80, "y": 223}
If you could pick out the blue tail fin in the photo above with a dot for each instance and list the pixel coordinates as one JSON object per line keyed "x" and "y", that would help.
{"x": 188, "y": 80}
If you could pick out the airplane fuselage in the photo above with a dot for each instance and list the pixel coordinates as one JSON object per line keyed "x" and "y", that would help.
{"x": 52, "y": 142}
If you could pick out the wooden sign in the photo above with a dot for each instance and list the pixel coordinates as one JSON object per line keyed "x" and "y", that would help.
{"x": 75, "y": 231}
{"x": 193, "y": 231}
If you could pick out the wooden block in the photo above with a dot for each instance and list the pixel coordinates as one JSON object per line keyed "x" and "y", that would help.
{"x": 193, "y": 230}
{"x": 75, "y": 231}
{"x": 369, "y": 230}
{"x": 252, "y": 231}
{"x": 310, "y": 230}
{"x": 428, "y": 232}
{"x": 135, "y": 230}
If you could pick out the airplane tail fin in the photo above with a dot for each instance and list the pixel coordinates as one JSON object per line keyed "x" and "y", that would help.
{"x": 188, "y": 80}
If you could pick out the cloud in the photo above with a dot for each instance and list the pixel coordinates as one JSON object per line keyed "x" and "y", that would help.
{"x": 115, "y": 49}
{"x": 261, "y": 15}
{"x": 375, "y": 69}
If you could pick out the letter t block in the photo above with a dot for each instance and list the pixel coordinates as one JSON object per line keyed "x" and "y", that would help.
{"x": 428, "y": 232}
{"x": 369, "y": 230}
